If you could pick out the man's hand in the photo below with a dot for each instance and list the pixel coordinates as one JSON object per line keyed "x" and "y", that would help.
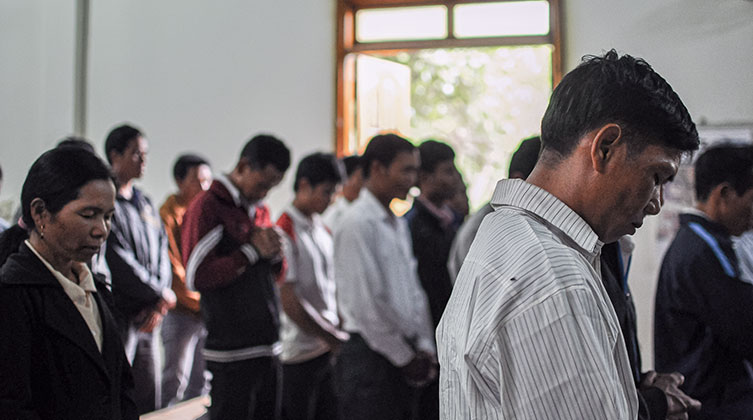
{"x": 153, "y": 319}
{"x": 420, "y": 370}
{"x": 679, "y": 404}
{"x": 267, "y": 242}
{"x": 168, "y": 301}
{"x": 337, "y": 339}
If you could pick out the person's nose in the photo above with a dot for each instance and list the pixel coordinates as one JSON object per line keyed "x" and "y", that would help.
{"x": 100, "y": 228}
{"x": 656, "y": 202}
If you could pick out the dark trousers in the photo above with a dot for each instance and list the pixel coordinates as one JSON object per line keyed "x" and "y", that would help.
{"x": 428, "y": 402}
{"x": 308, "y": 390}
{"x": 369, "y": 386}
{"x": 245, "y": 390}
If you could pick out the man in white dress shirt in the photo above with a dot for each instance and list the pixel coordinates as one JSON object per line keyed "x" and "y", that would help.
{"x": 529, "y": 332}
{"x": 378, "y": 293}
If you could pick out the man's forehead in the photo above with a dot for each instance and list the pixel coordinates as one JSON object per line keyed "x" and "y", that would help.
{"x": 662, "y": 154}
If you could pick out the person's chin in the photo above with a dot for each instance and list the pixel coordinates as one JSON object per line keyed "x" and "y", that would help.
{"x": 86, "y": 254}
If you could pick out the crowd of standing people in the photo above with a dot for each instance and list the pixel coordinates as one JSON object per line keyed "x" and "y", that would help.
{"x": 112, "y": 307}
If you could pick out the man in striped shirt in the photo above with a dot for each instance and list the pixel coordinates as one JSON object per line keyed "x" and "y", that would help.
{"x": 529, "y": 332}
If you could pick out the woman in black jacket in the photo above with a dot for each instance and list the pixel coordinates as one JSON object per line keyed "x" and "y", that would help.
{"x": 61, "y": 356}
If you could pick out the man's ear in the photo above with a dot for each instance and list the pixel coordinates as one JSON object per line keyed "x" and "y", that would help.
{"x": 112, "y": 156}
{"x": 605, "y": 141}
{"x": 304, "y": 185}
{"x": 377, "y": 169}
{"x": 726, "y": 191}
{"x": 242, "y": 165}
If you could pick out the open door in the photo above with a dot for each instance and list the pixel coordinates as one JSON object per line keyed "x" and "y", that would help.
{"x": 382, "y": 105}
{"x": 382, "y": 98}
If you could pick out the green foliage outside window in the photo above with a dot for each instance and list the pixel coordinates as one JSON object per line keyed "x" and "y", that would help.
{"x": 481, "y": 101}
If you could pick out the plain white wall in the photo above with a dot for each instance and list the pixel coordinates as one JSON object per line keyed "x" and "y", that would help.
{"x": 37, "y": 52}
{"x": 205, "y": 76}
{"x": 704, "y": 49}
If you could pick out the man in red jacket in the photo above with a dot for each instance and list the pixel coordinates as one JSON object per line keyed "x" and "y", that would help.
{"x": 232, "y": 255}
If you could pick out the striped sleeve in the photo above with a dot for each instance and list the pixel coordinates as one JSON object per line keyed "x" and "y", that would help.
{"x": 206, "y": 267}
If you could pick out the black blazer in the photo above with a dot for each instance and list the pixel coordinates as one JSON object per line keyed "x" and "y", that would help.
{"x": 50, "y": 367}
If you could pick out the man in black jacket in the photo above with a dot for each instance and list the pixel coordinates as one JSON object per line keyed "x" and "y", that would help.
{"x": 703, "y": 320}
{"x": 658, "y": 394}
{"x": 432, "y": 231}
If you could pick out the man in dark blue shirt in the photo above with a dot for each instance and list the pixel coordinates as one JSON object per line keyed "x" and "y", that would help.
{"x": 704, "y": 310}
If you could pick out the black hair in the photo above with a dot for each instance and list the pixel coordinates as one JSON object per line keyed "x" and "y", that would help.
{"x": 119, "y": 139}
{"x": 623, "y": 90}
{"x": 433, "y": 153}
{"x": 56, "y": 177}
{"x": 724, "y": 163}
{"x": 351, "y": 163}
{"x": 265, "y": 149}
{"x": 75, "y": 141}
{"x": 1, "y": 173}
{"x": 318, "y": 168}
{"x": 525, "y": 158}
{"x": 184, "y": 163}
{"x": 383, "y": 148}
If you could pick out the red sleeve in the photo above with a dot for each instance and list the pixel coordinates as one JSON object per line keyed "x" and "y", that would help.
{"x": 262, "y": 219}
{"x": 286, "y": 224}
{"x": 203, "y": 229}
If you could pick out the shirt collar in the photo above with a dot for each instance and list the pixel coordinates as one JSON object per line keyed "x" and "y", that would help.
{"x": 374, "y": 207}
{"x": 518, "y": 193}
{"x": 299, "y": 219}
{"x": 695, "y": 212}
{"x": 442, "y": 214}
{"x": 234, "y": 192}
{"x": 85, "y": 277}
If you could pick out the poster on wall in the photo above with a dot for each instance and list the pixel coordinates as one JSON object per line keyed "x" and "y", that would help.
{"x": 680, "y": 194}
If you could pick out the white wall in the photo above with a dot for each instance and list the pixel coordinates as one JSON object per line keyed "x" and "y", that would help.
{"x": 37, "y": 52}
{"x": 205, "y": 76}
{"x": 704, "y": 49}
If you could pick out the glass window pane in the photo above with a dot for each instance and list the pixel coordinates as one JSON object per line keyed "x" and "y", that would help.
{"x": 401, "y": 24}
{"x": 481, "y": 101}
{"x": 508, "y": 18}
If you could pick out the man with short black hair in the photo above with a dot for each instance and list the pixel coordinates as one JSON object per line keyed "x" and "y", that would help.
{"x": 431, "y": 223}
{"x": 432, "y": 230}
{"x": 139, "y": 264}
{"x": 310, "y": 332}
{"x": 529, "y": 332}
{"x": 703, "y": 319}
{"x": 183, "y": 331}
{"x": 378, "y": 292}
{"x": 232, "y": 254}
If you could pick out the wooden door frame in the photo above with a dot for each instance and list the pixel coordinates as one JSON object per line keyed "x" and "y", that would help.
{"x": 346, "y": 44}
